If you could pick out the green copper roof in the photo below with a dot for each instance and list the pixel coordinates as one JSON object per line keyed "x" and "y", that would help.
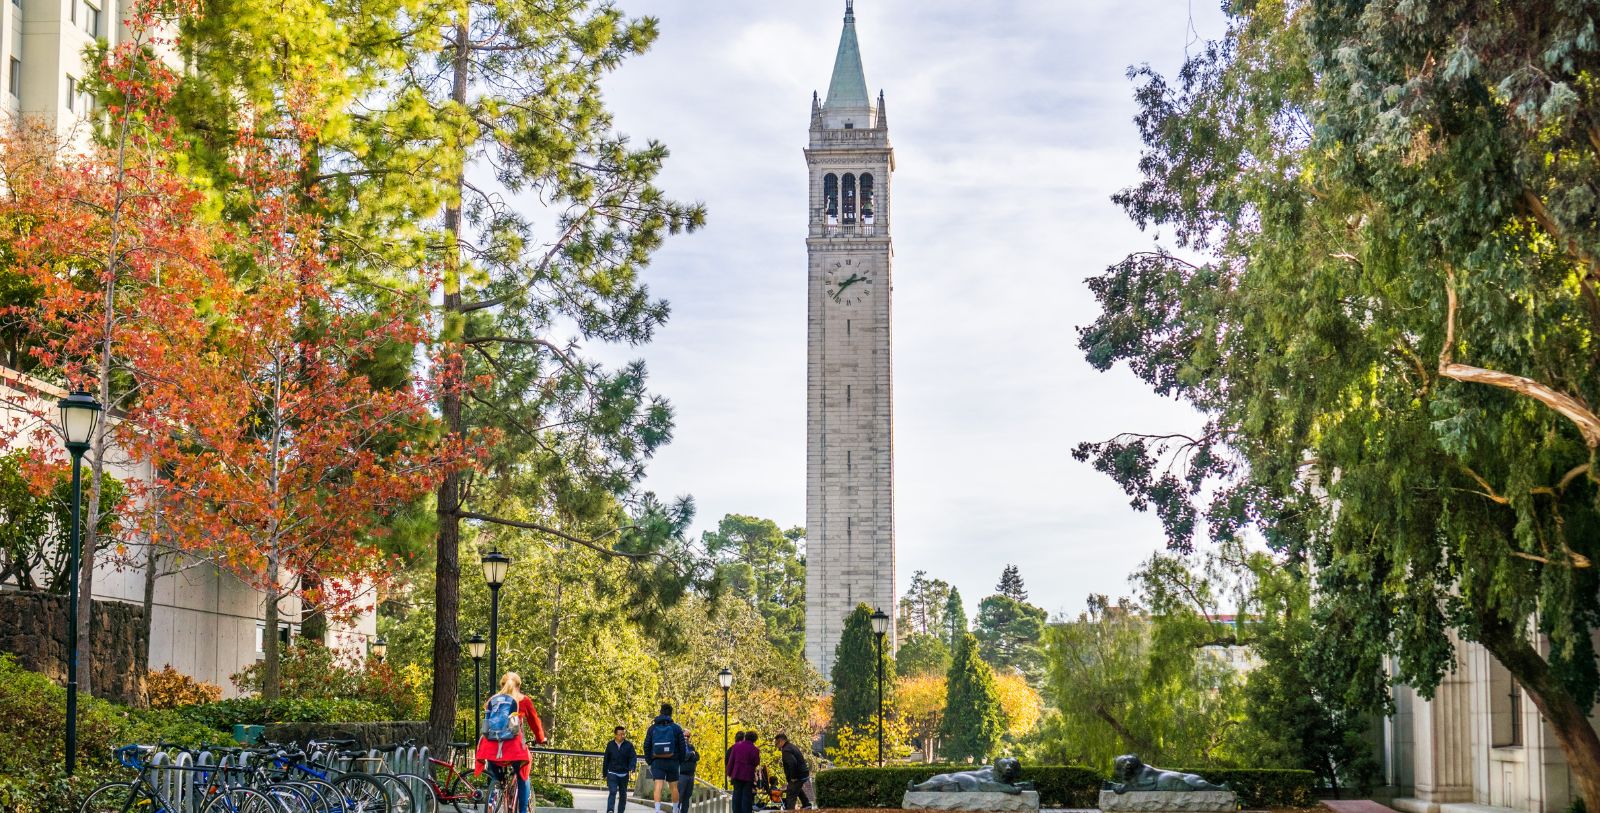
{"x": 849, "y": 86}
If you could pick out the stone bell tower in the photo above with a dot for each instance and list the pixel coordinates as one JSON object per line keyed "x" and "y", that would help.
{"x": 850, "y": 555}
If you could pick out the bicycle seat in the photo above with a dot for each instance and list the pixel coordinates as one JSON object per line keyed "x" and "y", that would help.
{"x": 461, "y": 745}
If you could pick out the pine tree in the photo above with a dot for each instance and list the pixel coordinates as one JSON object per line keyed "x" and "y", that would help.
{"x": 955, "y": 619}
{"x": 855, "y": 681}
{"x": 973, "y": 719}
{"x": 1010, "y": 584}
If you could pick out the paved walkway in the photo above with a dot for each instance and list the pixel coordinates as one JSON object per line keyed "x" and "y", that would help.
{"x": 590, "y": 799}
{"x": 1356, "y": 806}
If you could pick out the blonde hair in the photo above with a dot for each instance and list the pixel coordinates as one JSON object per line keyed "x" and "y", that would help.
{"x": 511, "y": 684}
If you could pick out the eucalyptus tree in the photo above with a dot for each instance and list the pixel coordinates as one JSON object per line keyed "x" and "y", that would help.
{"x": 1385, "y": 309}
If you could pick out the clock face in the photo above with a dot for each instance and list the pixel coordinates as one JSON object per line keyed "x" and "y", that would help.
{"x": 849, "y": 281}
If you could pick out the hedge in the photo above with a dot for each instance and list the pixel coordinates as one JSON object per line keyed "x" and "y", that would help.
{"x": 1264, "y": 788}
{"x": 1058, "y": 785}
{"x": 552, "y": 794}
{"x": 223, "y": 715}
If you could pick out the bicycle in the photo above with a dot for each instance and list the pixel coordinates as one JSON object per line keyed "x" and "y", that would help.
{"x": 144, "y": 795}
{"x": 502, "y": 794}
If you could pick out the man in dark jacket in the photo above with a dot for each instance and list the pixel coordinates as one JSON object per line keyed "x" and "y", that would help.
{"x": 686, "y": 766}
{"x": 664, "y": 749}
{"x": 795, "y": 772}
{"x": 619, "y": 764}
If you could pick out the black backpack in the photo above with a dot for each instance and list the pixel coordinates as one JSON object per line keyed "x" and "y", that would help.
{"x": 661, "y": 741}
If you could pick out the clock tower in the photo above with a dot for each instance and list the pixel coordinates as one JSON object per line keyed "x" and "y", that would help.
{"x": 850, "y": 556}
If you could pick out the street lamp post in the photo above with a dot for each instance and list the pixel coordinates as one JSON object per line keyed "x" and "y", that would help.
{"x": 475, "y": 646}
{"x": 380, "y": 648}
{"x": 725, "y": 680}
{"x": 79, "y": 412}
{"x": 880, "y": 627}
{"x": 495, "y": 565}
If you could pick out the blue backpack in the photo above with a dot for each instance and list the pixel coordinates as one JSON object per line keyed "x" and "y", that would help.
{"x": 500, "y": 721}
{"x": 661, "y": 741}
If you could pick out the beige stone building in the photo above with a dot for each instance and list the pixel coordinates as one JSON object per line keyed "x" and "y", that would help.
{"x": 850, "y": 553}
{"x": 1478, "y": 746}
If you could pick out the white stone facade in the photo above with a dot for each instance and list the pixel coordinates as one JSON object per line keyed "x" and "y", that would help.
{"x": 850, "y": 549}
{"x": 1478, "y": 746}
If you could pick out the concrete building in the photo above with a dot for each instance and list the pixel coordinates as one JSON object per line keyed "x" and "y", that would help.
{"x": 850, "y": 554}
{"x": 1478, "y": 746}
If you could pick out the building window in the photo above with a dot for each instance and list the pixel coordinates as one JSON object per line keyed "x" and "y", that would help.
{"x": 261, "y": 628}
{"x": 72, "y": 93}
{"x": 830, "y": 198}
{"x": 91, "y": 19}
{"x": 14, "y": 79}
{"x": 72, "y": 10}
{"x": 1505, "y": 707}
{"x": 866, "y": 197}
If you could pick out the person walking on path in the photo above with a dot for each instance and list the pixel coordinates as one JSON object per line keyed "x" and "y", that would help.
{"x": 621, "y": 759}
{"x": 795, "y": 772}
{"x": 686, "y": 766}
{"x": 743, "y": 760}
{"x": 664, "y": 748}
{"x": 509, "y": 719}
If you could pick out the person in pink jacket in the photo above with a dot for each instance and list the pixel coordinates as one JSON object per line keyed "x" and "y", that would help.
{"x": 743, "y": 759}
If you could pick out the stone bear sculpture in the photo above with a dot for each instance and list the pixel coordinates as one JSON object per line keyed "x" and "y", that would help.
{"x": 1131, "y": 773}
{"x": 999, "y": 778}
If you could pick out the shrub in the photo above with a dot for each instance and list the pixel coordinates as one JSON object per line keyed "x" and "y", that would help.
{"x": 32, "y": 719}
{"x": 223, "y": 715}
{"x": 171, "y": 689}
{"x": 1058, "y": 785}
{"x": 548, "y": 794}
{"x": 1261, "y": 788}
{"x": 311, "y": 671}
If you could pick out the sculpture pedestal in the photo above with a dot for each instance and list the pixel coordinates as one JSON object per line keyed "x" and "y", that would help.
{"x": 1169, "y": 801}
{"x": 1024, "y": 802}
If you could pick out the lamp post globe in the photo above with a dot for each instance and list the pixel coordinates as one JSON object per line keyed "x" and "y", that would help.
{"x": 380, "y": 648}
{"x": 80, "y": 412}
{"x": 725, "y": 680}
{"x": 495, "y": 565}
{"x": 475, "y": 647}
{"x": 880, "y": 628}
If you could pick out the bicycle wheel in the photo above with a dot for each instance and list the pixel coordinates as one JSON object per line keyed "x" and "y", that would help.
{"x": 399, "y": 795}
{"x": 325, "y": 798}
{"x": 240, "y": 800}
{"x": 115, "y": 797}
{"x": 423, "y": 799}
{"x": 365, "y": 794}
{"x": 289, "y": 796}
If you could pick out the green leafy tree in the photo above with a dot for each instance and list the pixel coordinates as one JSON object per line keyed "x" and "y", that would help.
{"x": 922, "y": 654}
{"x": 955, "y": 619}
{"x": 1387, "y": 315}
{"x": 973, "y": 721}
{"x": 1294, "y": 714}
{"x": 761, "y": 564}
{"x": 1010, "y": 584}
{"x": 923, "y": 606}
{"x": 1009, "y": 633}
{"x": 855, "y": 673}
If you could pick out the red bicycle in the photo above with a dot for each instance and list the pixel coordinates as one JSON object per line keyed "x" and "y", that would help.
{"x": 449, "y": 785}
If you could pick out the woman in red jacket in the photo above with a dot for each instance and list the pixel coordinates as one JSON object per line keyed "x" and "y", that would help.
{"x": 503, "y": 756}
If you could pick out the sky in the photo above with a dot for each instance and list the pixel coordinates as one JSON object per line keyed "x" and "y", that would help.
{"x": 1012, "y": 127}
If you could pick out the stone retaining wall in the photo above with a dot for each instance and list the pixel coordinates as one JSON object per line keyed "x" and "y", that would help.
{"x": 33, "y": 627}
{"x": 369, "y": 735}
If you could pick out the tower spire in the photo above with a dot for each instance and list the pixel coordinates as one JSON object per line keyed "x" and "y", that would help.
{"x": 848, "y": 89}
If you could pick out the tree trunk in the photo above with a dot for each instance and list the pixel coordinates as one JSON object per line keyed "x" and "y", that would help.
{"x": 271, "y": 666}
{"x": 447, "y": 565}
{"x": 1568, "y": 721}
{"x": 313, "y": 624}
{"x": 552, "y": 664}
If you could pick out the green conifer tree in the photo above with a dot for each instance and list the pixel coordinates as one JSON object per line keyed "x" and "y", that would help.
{"x": 973, "y": 719}
{"x": 855, "y": 680}
{"x": 955, "y": 618}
